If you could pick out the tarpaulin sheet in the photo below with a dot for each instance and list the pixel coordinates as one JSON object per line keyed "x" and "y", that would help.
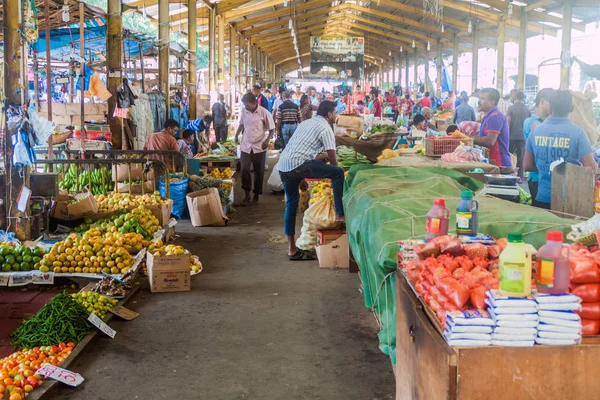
{"x": 386, "y": 204}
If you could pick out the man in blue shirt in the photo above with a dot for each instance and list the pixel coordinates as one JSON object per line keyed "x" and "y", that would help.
{"x": 557, "y": 137}
{"x": 464, "y": 112}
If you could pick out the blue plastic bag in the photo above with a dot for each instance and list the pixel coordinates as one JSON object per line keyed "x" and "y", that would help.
{"x": 178, "y": 191}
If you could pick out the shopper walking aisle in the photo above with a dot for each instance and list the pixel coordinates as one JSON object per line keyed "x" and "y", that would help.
{"x": 254, "y": 326}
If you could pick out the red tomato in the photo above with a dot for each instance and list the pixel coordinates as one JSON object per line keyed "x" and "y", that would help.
{"x": 28, "y": 388}
{"x": 32, "y": 381}
{"x": 54, "y": 350}
{"x": 71, "y": 345}
{"x": 62, "y": 346}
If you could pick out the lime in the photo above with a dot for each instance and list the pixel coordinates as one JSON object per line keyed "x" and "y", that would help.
{"x": 35, "y": 259}
{"x": 19, "y": 259}
{"x": 25, "y": 266}
{"x": 1, "y": 260}
{"x": 27, "y": 258}
{"x": 15, "y": 267}
{"x": 6, "y": 268}
{"x": 10, "y": 260}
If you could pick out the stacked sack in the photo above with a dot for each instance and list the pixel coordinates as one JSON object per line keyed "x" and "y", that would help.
{"x": 559, "y": 325}
{"x": 468, "y": 328}
{"x": 515, "y": 319}
{"x": 585, "y": 283}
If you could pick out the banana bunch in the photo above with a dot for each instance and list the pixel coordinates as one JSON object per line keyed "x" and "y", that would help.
{"x": 225, "y": 174}
{"x": 320, "y": 190}
{"x": 73, "y": 180}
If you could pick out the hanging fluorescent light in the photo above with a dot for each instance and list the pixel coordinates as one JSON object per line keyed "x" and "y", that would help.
{"x": 413, "y": 44}
{"x": 290, "y": 24}
{"x": 65, "y": 13}
{"x": 510, "y": 8}
{"x": 390, "y": 54}
{"x": 285, "y": 3}
{"x": 401, "y": 49}
{"x": 428, "y": 45}
{"x": 470, "y": 27}
{"x": 442, "y": 27}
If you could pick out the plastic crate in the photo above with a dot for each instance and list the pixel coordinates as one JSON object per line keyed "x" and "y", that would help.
{"x": 439, "y": 147}
{"x": 93, "y": 135}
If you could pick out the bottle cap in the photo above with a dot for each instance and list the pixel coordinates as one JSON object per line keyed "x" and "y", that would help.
{"x": 440, "y": 202}
{"x": 555, "y": 236}
{"x": 467, "y": 194}
{"x": 515, "y": 237}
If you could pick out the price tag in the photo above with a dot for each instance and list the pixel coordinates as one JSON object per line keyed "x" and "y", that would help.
{"x": 98, "y": 323}
{"x": 4, "y": 278}
{"x": 20, "y": 279}
{"x": 42, "y": 278}
{"x": 124, "y": 313}
{"x": 60, "y": 374}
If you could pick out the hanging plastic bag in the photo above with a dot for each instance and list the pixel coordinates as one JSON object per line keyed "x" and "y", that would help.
{"x": 23, "y": 154}
{"x": 322, "y": 213}
{"x": 274, "y": 183}
{"x": 42, "y": 128}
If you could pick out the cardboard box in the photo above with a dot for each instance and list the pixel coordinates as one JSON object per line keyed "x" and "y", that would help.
{"x": 136, "y": 188}
{"x": 168, "y": 273}
{"x": 120, "y": 172}
{"x": 63, "y": 209}
{"x": 352, "y": 122}
{"x": 325, "y": 236}
{"x": 162, "y": 211}
{"x": 205, "y": 207}
{"x": 334, "y": 255}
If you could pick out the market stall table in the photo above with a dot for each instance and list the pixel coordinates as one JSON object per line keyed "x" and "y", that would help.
{"x": 372, "y": 147}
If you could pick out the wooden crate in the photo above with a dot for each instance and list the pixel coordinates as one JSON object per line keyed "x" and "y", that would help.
{"x": 573, "y": 190}
{"x": 222, "y": 164}
{"x": 427, "y": 368}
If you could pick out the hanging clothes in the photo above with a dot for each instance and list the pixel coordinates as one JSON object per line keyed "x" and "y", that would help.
{"x": 159, "y": 109}
{"x": 143, "y": 119}
{"x": 178, "y": 112}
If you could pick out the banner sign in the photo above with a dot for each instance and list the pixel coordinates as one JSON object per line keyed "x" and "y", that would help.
{"x": 345, "y": 55}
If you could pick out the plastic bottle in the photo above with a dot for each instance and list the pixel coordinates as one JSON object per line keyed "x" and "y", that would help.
{"x": 515, "y": 268}
{"x": 437, "y": 220}
{"x": 553, "y": 265}
{"x": 597, "y": 198}
{"x": 467, "y": 215}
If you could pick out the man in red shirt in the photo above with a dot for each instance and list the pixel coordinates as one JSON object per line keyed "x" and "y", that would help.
{"x": 406, "y": 107}
{"x": 425, "y": 101}
{"x": 393, "y": 101}
{"x": 376, "y": 104}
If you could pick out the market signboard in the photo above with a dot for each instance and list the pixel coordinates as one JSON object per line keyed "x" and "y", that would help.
{"x": 344, "y": 54}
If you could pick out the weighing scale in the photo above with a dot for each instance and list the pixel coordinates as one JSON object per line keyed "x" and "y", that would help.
{"x": 502, "y": 186}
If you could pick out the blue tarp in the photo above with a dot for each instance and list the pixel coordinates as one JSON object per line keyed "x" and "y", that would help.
{"x": 446, "y": 80}
{"x": 63, "y": 40}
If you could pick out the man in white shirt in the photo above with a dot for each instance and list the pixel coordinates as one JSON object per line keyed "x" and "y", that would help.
{"x": 253, "y": 124}
{"x": 474, "y": 100}
{"x": 303, "y": 158}
{"x": 315, "y": 101}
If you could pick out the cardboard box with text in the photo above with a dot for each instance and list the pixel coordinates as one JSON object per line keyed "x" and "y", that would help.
{"x": 334, "y": 255}
{"x": 205, "y": 207}
{"x": 168, "y": 273}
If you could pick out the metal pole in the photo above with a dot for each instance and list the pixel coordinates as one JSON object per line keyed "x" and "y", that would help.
{"x": 163, "y": 52}
{"x": 114, "y": 65}
{"x": 426, "y": 62}
{"x": 565, "y": 67}
{"x": 406, "y": 73}
{"x": 455, "y": 62}
{"x": 48, "y": 76}
{"x": 211, "y": 50}
{"x": 522, "y": 52}
{"x": 475, "y": 62}
{"x": 82, "y": 73}
{"x": 192, "y": 46}
{"x": 232, "y": 77}
{"x": 500, "y": 61}
{"x": 221, "y": 66}
{"x": 439, "y": 69}
{"x": 416, "y": 71}
{"x": 142, "y": 66}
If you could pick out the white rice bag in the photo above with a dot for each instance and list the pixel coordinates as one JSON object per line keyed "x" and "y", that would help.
{"x": 559, "y": 335}
{"x": 497, "y": 300}
{"x": 557, "y": 328}
{"x": 513, "y": 310}
{"x": 556, "y": 298}
{"x": 568, "y": 315}
{"x": 470, "y": 336}
{"x": 513, "y": 317}
{"x": 511, "y": 338}
{"x": 560, "y": 322}
{"x": 504, "y": 330}
{"x": 513, "y": 343}
{"x": 560, "y": 306}
{"x": 517, "y": 324}
{"x": 556, "y": 342}
{"x": 468, "y": 343}
{"x": 469, "y": 329}
{"x": 469, "y": 317}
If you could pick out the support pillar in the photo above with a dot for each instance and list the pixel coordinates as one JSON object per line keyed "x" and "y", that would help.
{"x": 221, "y": 65}
{"x": 232, "y": 59}
{"x": 565, "y": 68}
{"x": 114, "y": 65}
{"x": 426, "y": 65}
{"x": 400, "y": 69}
{"x": 475, "y": 62}
{"x": 416, "y": 71}
{"x": 406, "y": 73}
{"x": 439, "y": 69}
{"x": 500, "y": 53}
{"x": 522, "y": 52}
{"x": 193, "y": 47}
{"x": 211, "y": 50}
{"x": 455, "y": 63}
{"x": 163, "y": 52}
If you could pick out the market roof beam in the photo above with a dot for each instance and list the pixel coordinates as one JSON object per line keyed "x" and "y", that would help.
{"x": 283, "y": 23}
{"x": 312, "y": 4}
{"x": 419, "y": 11}
{"x": 539, "y": 4}
{"x": 545, "y": 17}
{"x": 224, "y": 6}
{"x": 244, "y": 9}
{"x": 273, "y": 35}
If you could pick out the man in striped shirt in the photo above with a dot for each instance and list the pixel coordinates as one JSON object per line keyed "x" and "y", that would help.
{"x": 304, "y": 158}
{"x": 287, "y": 117}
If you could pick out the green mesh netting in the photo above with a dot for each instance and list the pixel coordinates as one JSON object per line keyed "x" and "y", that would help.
{"x": 386, "y": 204}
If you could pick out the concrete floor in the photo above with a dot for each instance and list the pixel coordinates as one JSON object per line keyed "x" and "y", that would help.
{"x": 254, "y": 326}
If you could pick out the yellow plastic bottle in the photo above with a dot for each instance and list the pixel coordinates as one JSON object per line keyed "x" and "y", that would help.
{"x": 515, "y": 268}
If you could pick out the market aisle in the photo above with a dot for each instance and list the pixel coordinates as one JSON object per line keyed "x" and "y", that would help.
{"x": 254, "y": 326}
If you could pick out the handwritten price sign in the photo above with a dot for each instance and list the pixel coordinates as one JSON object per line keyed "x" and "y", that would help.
{"x": 60, "y": 374}
{"x": 98, "y": 323}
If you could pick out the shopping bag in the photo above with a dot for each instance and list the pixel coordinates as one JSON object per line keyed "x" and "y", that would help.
{"x": 274, "y": 183}
{"x": 322, "y": 213}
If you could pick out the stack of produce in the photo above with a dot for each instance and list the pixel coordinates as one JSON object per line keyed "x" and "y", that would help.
{"x": 139, "y": 221}
{"x": 320, "y": 190}
{"x": 451, "y": 276}
{"x": 196, "y": 183}
{"x": 59, "y": 320}
{"x": 17, "y": 371}
{"x": 158, "y": 249}
{"x": 515, "y": 319}
{"x": 225, "y": 174}
{"x": 20, "y": 258}
{"x": 90, "y": 253}
{"x": 444, "y": 114}
{"x": 380, "y": 126}
{"x": 468, "y": 328}
{"x": 95, "y": 302}
{"x": 559, "y": 324}
{"x": 585, "y": 284}
{"x": 117, "y": 201}
{"x": 386, "y": 154}
{"x": 74, "y": 180}
{"x": 347, "y": 157}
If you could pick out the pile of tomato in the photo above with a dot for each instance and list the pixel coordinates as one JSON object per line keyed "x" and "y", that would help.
{"x": 17, "y": 371}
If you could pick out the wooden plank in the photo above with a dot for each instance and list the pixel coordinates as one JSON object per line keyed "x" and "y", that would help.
{"x": 572, "y": 190}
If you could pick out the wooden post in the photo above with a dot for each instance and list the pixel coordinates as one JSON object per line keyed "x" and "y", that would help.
{"x": 163, "y": 52}
{"x": 426, "y": 62}
{"x": 193, "y": 48}
{"x": 522, "y": 52}
{"x": 232, "y": 59}
{"x": 406, "y": 73}
{"x": 142, "y": 67}
{"x": 211, "y": 50}
{"x": 36, "y": 82}
{"x": 565, "y": 68}
{"x": 82, "y": 75}
{"x": 221, "y": 74}
{"x": 500, "y": 52}
{"x": 416, "y": 71}
{"x": 475, "y": 61}
{"x": 48, "y": 67}
{"x": 455, "y": 62}
{"x": 439, "y": 69}
{"x": 114, "y": 65}
{"x": 71, "y": 80}
{"x": 400, "y": 70}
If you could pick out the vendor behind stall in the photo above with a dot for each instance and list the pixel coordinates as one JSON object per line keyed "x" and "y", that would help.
{"x": 201, "y": 128}
{"x": 493, "y": 132}
{"x": 185, "y": 147}
{"x": 557, "y": 137}
{"x": 163, "y": 141}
